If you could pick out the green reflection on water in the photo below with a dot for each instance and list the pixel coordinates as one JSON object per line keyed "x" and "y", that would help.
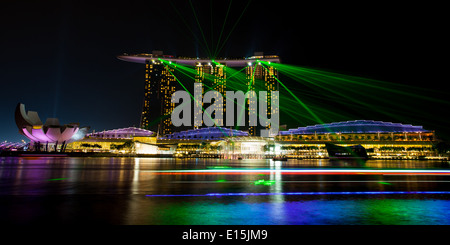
{"x": 257, "y": 211}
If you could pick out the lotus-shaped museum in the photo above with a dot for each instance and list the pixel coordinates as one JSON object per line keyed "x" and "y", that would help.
{"x": 31, "y": 126}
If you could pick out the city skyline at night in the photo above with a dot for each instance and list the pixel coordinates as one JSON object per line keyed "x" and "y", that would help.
{"x": 224, "y": 121}
{"x": 71, "y": 62}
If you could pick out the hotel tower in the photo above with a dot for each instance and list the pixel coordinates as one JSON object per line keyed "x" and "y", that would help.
{"x": 161, "y": 82}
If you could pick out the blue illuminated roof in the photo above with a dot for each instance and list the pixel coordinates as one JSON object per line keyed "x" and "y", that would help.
{"x": 358, "y": 126}
{"x": 207, "y": 133}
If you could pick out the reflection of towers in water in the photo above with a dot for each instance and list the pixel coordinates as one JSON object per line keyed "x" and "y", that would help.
{"x": 157, "y": 106}
{"x": 213, "y": 77}
{"x": 277, "y": 200}
{"x": 260, "y": 78}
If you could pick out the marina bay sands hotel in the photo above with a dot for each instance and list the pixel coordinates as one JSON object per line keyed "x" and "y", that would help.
{"x": 165, "y": 74}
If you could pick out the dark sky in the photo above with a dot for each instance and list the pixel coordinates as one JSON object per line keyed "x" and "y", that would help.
{"x": 59, "y": 57}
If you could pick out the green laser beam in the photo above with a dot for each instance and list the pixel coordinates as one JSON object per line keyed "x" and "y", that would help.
{"x": 234, "y": 26}
{"x": 187, "y": 26}
{"x": 200, "y": 27}
{"x": 223, "y": 27}
{"x": 192, "y": 97}
{"x": 297, "y": 99}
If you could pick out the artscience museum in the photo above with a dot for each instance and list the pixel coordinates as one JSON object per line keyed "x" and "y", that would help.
{"x": 48, "y": 136}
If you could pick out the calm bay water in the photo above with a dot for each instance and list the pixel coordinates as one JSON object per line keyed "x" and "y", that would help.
{"x": 165, "y": 191}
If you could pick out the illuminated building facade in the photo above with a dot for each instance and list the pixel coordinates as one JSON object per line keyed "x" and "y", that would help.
{"x": 260, "y": 78}
{"x": 123, "y": 140}
{"x": 160, "y": 84}
{"x": 381, "y": 139}
{"x": 213, "y": 76}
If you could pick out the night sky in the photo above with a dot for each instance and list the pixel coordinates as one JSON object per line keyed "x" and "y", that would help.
{"x": 59, "y": 57}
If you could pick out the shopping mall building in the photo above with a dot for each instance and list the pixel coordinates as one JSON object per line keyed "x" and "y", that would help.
{"x": 381, "y": 140}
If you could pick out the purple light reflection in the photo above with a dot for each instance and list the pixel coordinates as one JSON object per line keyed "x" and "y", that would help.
{"x": 301, "y": 193}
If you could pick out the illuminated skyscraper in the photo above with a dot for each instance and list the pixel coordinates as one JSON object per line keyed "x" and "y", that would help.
{"x": 261, "y": 78}
{"x": 213, "y": 77}
{"x": 160, "y": 84}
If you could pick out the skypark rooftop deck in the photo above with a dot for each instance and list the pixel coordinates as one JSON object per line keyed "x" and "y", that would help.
{"x": 230, "y": 62}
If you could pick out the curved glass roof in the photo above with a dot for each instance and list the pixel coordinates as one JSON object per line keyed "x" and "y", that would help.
{"x": 357, "y": 126}
{"x": 208, "y": 133}
{"x": 122, "y": 133}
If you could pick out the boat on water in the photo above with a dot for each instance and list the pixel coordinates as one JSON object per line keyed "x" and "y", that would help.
{"x": 346, "y": 152}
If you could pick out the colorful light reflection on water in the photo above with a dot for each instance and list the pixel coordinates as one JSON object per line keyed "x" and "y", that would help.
{"x": 385, "y": 211}
{"x": 150, "y": 191}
